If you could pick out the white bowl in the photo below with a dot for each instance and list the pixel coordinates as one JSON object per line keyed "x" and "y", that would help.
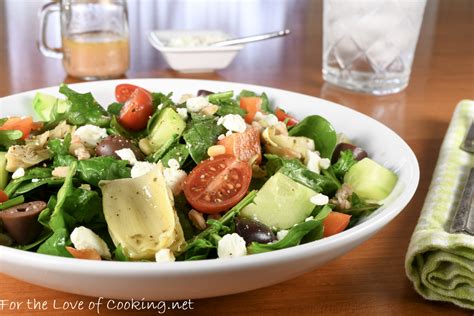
{"x": 193, "y": 59}
{"x": 207, "y": 278}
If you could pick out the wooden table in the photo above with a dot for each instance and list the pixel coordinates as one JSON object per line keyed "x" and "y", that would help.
{"x": 369, "y": 280}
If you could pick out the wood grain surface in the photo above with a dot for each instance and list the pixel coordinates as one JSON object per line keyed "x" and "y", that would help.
{"x": 370, "y": 279}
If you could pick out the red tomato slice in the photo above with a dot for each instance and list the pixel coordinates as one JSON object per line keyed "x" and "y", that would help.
{"x": 3, "y": 196}
{"x": 137, "y": 110}
{"x": 124, "y": 91}
{"x": 335, "y": 223}
{"x": 252, "y": 105}
{"x": 282, "y": 116}
{"x": 244, "y": 145}
{"x": 217, "y": 184}
{"x": 24, "y": 124}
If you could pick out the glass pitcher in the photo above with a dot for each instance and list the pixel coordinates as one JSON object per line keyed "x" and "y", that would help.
{"x": 94, "y": 36}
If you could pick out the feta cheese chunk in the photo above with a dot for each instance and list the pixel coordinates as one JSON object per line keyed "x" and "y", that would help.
{"x": 141, "y": 168}
{"x": 231, "y": 246}
{"x": 83, "y": 238}
{"x": 127, "y": 154}
{"x": 90, "y": 135}
{"x": 281, "y": 234}
{"x": 309, "y": 218}
{"x": 20, "y": 172}
{"x": 312, "y": 161}
{"x": 233, "y": 122}
{"x": 183, "y": 113}
{"x": 173, "y": 164}
{"x": 196, "y": 104}
{"x": 164, "y": 255}
{"x": 174, "y": 179}
{"x": 324, "y": 163}
{"x": 319, "y": 199}
{"x": 266, "y": 119}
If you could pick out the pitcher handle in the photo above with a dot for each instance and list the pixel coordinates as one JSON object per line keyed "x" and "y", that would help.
{"x": 45, "y": 49}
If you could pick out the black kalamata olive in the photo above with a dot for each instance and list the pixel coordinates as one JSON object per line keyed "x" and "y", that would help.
{"x": 251, "y": 230}
{"x": 21, "y": 221}
{"x": 204, "y": 93}
{"x": 357, "y": 152}
{"x": 110, "y": 144}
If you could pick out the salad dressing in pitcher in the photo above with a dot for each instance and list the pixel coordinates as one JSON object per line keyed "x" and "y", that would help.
{"x": 95, "y": 54}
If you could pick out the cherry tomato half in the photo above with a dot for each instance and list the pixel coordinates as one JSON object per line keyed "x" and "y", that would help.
{"x": 282, "y": 116}
{"x": 217, "y": 184}
{"x": 124, "y": 91}
{"x": 137, "y": 110}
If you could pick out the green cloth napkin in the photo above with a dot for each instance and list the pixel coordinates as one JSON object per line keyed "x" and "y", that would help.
{"x": 441, "y": 264}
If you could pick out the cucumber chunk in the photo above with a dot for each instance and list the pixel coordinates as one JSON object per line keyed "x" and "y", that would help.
{"x": 167, "y": 125}
{"x": 44, "y": 103}
{"x": 371, "y": 181}
{"x": 280, "y": 203}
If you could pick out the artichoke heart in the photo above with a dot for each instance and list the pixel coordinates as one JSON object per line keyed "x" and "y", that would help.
{"x": 279, "y": 143}
{"x": 140, "y": 215}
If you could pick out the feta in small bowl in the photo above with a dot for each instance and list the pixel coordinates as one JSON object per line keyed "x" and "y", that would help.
{"x": 190, "y": 51}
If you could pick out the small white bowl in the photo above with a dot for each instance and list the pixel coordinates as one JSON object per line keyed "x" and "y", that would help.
{"x": 193, "y": 59}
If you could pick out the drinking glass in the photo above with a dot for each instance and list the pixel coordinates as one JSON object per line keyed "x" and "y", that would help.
{"x": 94, "y": 36}
{"x": 369, "y": 45}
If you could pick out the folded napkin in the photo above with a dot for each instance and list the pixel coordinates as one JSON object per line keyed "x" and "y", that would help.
{"x": 441, "y": 264}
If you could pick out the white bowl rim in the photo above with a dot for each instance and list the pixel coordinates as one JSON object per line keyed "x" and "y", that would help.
{"x": 373, "y": 224}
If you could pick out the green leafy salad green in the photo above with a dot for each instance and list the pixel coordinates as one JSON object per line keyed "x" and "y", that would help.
{"x": 154, "y": 178}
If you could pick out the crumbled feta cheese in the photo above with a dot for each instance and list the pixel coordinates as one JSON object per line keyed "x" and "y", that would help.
{"x": 221, "y": 137}
{"x": 174, "y": 179}
{"x": 90, "y": 135}
{"x": 313, "y": 160}
{"x": 83, "y": 238}
{"x": 309, "y": 218}
{"x": 258, "y": 116}
{"x": 231, "y": 246}
{"x": 196, "y": 104}
{"x": 183, "y": 113}
{"x": 281, "y": 234}
{"x": 141, "y": 168}
{"x": 35, "y": 180}
{"x": 173, "y": 164}
{"x": 266, "y": 119}
{"x": 164, "y": 255}
{"x": 270, "y": 119}
{"x": 20, "y": 172}
{"x": 233, "y": 122}
{"x": 228, "y": 133}
{"x": 324, "y": 163}
{"x": 319, "y": 199}
{"x": 127, "y": 154}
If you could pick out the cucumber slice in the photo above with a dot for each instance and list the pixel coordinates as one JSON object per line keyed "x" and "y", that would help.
{"x": 167, "y": 125}
{"x": 371, "y": 181}
{"x": 43, "y": 104}
{"x": 280, "y": 203}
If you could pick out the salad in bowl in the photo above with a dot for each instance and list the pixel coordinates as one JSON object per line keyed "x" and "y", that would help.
{"x": 151, "y": 178}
